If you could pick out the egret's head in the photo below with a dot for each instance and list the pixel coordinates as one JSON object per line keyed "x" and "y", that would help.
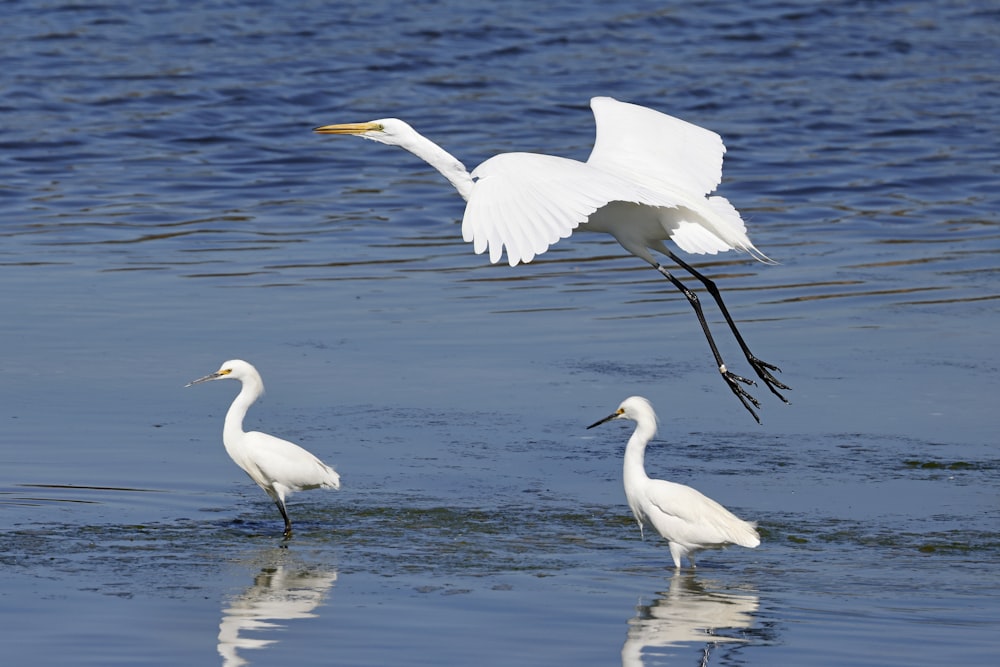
{"x": 633, "y": 408}
{"x": 390, "y": 131}
{"x": 235, "y": 369}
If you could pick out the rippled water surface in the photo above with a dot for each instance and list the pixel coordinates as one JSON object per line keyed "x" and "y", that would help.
{"x": 165, "y": 206}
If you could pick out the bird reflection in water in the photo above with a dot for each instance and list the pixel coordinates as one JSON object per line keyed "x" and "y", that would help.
{"x": 687, "y": 614}
{"x": 279, "y": 593}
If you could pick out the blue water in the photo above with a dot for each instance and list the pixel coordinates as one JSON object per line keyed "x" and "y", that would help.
{"x": 165, "y": 206}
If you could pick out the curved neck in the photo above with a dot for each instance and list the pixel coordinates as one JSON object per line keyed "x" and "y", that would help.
{"x": 238, "y": 410}
{"x": 446, "y": 163}
{"x": 635, "y": 451}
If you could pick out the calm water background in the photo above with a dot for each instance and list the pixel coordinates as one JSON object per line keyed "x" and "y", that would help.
{"x": 165, "y": 207}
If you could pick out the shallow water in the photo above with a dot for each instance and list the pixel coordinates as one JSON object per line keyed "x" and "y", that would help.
{"x": 165, "y": 207}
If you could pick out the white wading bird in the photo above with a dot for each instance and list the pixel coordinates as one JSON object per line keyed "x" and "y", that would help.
{"x": 646, "y": 181}
{"x": 278, "y": 466}
{"x": 686, "y": 518}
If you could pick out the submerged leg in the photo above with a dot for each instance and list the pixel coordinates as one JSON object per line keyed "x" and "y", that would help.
{"x": 731, "y": 378}
{"x": 762, "y": 368}
{"x": 284, "y": 515}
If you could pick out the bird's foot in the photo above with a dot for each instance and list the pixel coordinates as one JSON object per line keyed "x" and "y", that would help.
{"x": 734, "y": 380}
{"x": 763, "y": 370}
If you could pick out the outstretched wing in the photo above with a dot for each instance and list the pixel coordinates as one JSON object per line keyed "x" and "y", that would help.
{"x": 655, "y": 150}
{"x": 676, "y": 160}
{"x": 525, "y": 202}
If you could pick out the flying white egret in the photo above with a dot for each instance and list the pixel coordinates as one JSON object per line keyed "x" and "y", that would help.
{"x": 646, "y": 181}
{"x": 686, "y": 518}
{"x": 278, "y": 466}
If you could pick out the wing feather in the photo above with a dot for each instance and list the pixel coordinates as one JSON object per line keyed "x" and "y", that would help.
{"x": 655, "y": 150}
{"x": 689, "y": 516}
{"x": 525, "y": 202}
{"x": 279, "y": 459}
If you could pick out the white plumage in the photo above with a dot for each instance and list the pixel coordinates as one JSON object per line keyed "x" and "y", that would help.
{"x": 686, "y": 518}
{"x": 647, "y": 180}
{"x": 277, "y": 466}
{"x": 525, "y": 202}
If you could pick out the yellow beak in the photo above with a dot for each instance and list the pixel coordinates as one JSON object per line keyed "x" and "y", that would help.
{"x": 349, "y": 128}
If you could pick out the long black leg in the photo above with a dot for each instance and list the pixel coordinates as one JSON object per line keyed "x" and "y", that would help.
{"x": 731, "y": 378}
{"x": 284, "y": 515}
{"x": 762, "y": 368}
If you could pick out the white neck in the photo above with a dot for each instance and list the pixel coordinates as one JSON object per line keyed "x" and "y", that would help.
{"x": 635, "y": 451}
{"x": 446, "y": 163}
{"x": 238, "y": 410}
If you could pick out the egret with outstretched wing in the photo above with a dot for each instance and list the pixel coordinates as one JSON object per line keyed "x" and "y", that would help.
{"x": 647, "y": 180}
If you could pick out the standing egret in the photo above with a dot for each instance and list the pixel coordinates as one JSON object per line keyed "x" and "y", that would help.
{"x": 686, "y": 518}
{"x": 647, "y": 180}
{"x": 278, "y": 466}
